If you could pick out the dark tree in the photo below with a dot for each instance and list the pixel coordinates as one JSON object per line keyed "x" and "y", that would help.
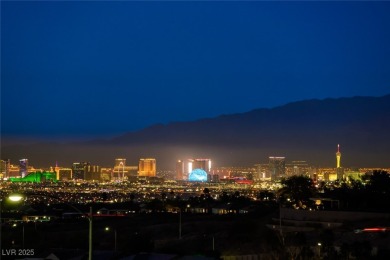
{"x": 378, "y": 191}
{"x": 298, "y": 188}
{"x": 224, "y": 197}
{"x": 379, "y": 182}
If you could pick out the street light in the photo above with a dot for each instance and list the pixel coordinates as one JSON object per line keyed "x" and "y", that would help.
{"x": 18, "y": 197}
{"x": 15, "y": 225}
{"x": 108, "y": 229}
{"x": 13, "y": 199}
{"x": 319, "y": 249}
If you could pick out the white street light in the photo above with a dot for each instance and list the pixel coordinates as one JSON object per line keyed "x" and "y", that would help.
{"x": 15, "y": 197}
{"x": 18, "y": 197}
{"x": 108, "y": 229}
{"x": 15, "y": 225}
{"x": 319, "y": 249}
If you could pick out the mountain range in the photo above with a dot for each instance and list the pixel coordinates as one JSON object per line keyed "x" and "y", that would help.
{"x": 307, "y": 130}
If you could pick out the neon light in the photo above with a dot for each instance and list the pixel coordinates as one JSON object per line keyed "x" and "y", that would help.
{"x": 375, "y": 229}
{"x": 37, "y": 177}
{"x": 198, "y": 175}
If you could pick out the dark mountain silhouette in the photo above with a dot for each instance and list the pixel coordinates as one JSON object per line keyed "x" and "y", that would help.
{"x": 305, "y": 130}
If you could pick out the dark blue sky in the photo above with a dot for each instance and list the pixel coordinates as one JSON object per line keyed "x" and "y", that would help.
{"x": 104, "y": 68}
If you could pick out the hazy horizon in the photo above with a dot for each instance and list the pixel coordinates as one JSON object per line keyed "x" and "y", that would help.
{"x": 294, "y": 130}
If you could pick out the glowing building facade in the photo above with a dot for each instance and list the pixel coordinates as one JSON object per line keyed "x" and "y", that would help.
{"x": 23, "y": 167}
{"x": 79, "y": 169}
{"x": 92, "y": 173}
{"x": 4, "y": 168}
{"x": 204, "y": 164}
{"x": 297, "y": 168}
{"x": 191, "y": 169}
{"x": 106, "y": 174}
{"x": 179, "y": 170}
{"x": 277, "y": 167}
{"x": 13, "y": 171}
{"x": 147, "y": 167}
{"x": 65, "y": 174}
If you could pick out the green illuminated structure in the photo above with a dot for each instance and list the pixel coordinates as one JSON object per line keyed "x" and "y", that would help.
{"x": 36, "y": 177}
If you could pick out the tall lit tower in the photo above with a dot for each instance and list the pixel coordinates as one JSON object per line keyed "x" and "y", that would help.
{"x": 339, "y": 169}
{"x": 338, "y": 156}
{"x": 147, "y": 167}
{"x": 23, "y": 167}
{"x": 204, "y": 164}
{"x": 179, "y": 169}
{"x": 277, "y": 167}
{"x": 57, "y": 170}
{"x": 4, "y": 168}
{"x": 79, "y": 169}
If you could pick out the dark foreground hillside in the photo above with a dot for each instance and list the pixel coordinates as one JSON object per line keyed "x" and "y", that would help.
{"x": 203, "y": 236}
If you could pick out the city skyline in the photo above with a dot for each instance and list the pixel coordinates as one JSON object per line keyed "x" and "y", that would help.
{"x": 192, "y": 170}
{"x": 146, "y": 167}
{"x": 113, "y": 67}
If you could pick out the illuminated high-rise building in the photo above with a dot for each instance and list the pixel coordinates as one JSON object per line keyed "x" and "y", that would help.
{"x": 297, "y": 168}
{"x": 23, "y": 167}
{"x": 65, "y": 174}
{"x": 189, "y": 167}
{"x": 92, "y": 173}
{"x": 277, "y": 167}
{"x": 197, "y": 164}
{"x": 204, "y": 164}
{"x": 147, "y": 167}
{"x": 13, "y": 171}
{"x": 79, "y": 169}
{"x": 338, "y": 157}
{"x": 106, "y": 174}
{"x": 179, "y": 170}
{"x": 261, "y": 171}
{"x": 4, "y": 168}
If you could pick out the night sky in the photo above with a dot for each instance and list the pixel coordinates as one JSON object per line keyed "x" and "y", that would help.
{"x": 83, "y": 69}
